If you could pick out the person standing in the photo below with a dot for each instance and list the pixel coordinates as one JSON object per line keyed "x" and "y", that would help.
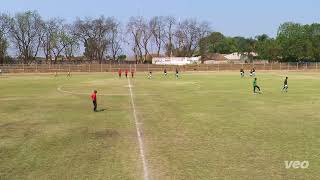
{"x": 94, "y": 100}
{"x": 253, "y": 72}
{"x": 126, "y": 73}
{"x": 69, "y": 74}
{"x": 165, "y": 72}
{"x": 241, "y": 73}
{"x": 132, "y": 73}
{"x": 285, "y": 85}
{"x": 119, "y": 72}
{"x": 150, "y": 75}
{"x": 177, "y": 73}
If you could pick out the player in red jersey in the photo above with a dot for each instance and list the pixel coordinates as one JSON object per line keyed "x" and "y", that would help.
{"x": 119, "y": 72}
{"x": 94, "y": 100}
{"x": 126, "y": 72}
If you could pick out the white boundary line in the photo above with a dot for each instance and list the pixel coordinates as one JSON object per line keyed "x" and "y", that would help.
{"x": 144, "y": 163}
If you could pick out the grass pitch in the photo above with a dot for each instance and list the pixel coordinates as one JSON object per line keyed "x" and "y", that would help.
{"x": 201, "y": 126}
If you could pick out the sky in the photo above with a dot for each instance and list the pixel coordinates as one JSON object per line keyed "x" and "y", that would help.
{"x": 231, "y": 17}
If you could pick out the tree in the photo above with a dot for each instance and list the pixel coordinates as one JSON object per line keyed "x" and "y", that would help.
{"x": 146, "y": 36}
{"x": 169, "y": 24}
{"x": 135, "y": 29}
{"x": 267, "y": 48}
{"x": 72, "y": 42}
{"x": 217, "y": 43}
{"x": 157, "y": 27}
{"x": 294, "y": 42}
{"x": 313, "y": 32}
{"x": 115, "y": 39}
{"x": 50, "y": 29}
{"x": 226, "y": 46}
{"x": 94, "y": 35}
{"x": 3, "y": 41}
{"x": 188, "y": 35}
{"x": 122, "y": 57}
{"x": 26, "y": 32}
{"x": 60, "y": 40}
{"x": 3, "y": 48}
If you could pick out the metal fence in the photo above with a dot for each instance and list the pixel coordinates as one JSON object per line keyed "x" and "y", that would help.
{"x": 51, "y": 68}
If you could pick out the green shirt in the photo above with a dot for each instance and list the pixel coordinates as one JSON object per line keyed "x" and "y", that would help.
{"x": 254, "y": 82}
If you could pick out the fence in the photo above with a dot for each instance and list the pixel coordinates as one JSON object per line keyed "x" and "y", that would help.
{"x": 50, "y": 68}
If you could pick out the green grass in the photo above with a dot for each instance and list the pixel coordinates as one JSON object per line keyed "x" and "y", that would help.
{"x": 201, "y": 126}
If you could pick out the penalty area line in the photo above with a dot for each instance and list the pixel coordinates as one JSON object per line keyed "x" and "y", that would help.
{"x": 137, "y": 124}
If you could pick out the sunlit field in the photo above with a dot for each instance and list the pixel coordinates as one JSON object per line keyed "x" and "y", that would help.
{"x": 204, "y": 125}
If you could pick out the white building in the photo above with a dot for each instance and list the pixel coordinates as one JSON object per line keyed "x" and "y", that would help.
{"x": 233, "y": 56}
{"x": 216, "y": 58}
{"x": 176, "y": 60}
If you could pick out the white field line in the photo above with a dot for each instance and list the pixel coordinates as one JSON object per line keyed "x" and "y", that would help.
{"x": 60, "y": 89}
{"x": 137, "y": 123}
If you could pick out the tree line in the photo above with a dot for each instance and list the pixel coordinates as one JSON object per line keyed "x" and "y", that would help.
{"x": 106, "y": 38}
{"x": 294, "y": 42}
{"x": 100, "y": 39}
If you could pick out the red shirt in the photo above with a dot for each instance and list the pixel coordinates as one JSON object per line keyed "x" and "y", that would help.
{"x": 126, "y": 71}
{"x": 94, "y": 96}
{"x": 119, "y": 71}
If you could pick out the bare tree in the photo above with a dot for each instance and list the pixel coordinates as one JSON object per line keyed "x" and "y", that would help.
{"x": 157, "y": 27}
{"x": 135, "y": 29}
{"x": 93, "y": 33}
{"x": 115, "y": 38}
{"x": 188, "y": 35}
{"x": 26, "y": 32}
{"x": 3, "y": 40}
{"x": 72, "y": 42}
{"x": 170, "y": 22}
{"x": 146, "y": 37}
{"x": 60, "y": 40}
{"x": 51, "y": 28}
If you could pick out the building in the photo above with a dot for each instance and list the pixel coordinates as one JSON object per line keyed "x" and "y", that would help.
{"x": 233, "y": 56}
{"x": 216, "y": 58}
{"x": 176, "y": 60}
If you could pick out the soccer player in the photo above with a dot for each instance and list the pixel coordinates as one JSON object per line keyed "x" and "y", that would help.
{"x": 251, "y": 72}
{"x": 132, "y": 73}
{"x": 119, "y": 72}
{"x": 255, "y": 86}
{"x": 126, "y": 73}
{"x": 241, "y": 73}
{"x": 150, "y": 75}
{"x": 94, "y": 100}
{"x": 254, "y": 72}
{"x": 177, "y": 73}
{"x": 285, "y": 85}
{"x": 0, "y": 72}
{"x": 69, "y": 74}
{"x": 165, "y": 72}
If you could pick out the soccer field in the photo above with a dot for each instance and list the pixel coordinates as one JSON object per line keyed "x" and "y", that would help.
{"x": 206, "y": 125}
